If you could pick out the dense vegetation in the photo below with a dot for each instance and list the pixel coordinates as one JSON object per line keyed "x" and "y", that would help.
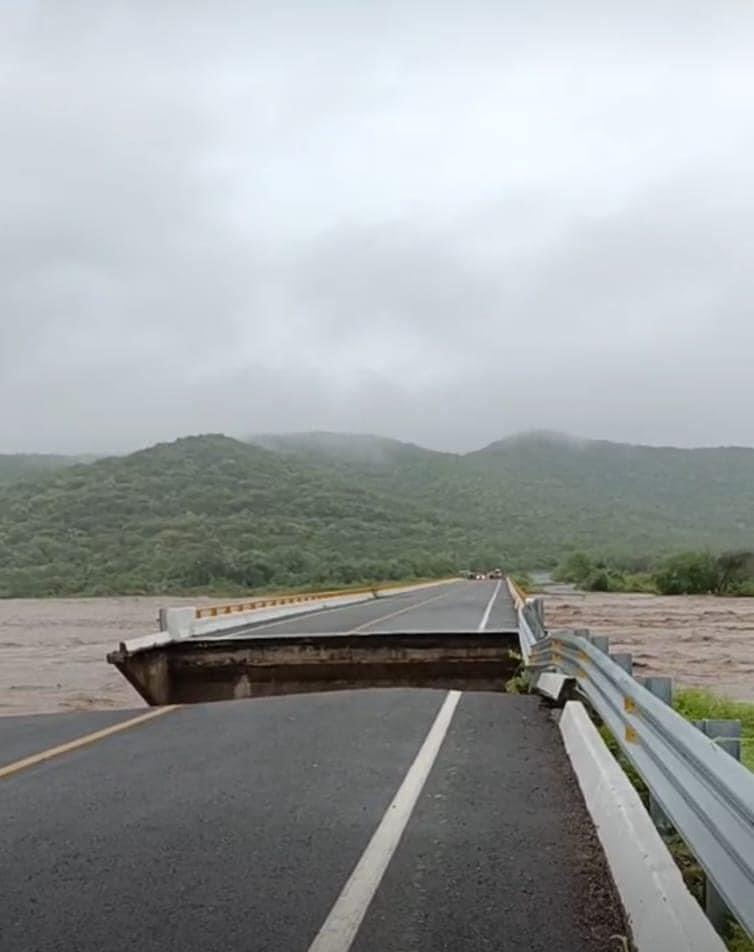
{"x": 686, "y": 573}
{"x": 17, "y": 466}
{"x": 215, "y": 513}
{"x": 206, "y": 511}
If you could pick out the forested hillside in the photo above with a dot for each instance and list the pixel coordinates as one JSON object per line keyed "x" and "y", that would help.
{"x": 23, "y": 465}
{"x": 321, "y": 509}
{"x": 205, "y": 511}
{"x": 530, "y": 498}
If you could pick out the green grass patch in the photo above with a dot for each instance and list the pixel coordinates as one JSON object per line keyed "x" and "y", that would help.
{"x": 524, "y": 582}
{"x": 738, "y": 941}
{"x": 695, "y": 704}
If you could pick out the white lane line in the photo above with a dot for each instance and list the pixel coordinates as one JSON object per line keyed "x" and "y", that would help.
{"x": 340, "y": 927}
{"x": 319, "y": 612}
{"x": 488, "y": 609}
{"x": 401, "y": 611}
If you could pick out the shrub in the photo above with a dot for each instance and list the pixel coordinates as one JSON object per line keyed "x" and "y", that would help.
{"x": 690, "y": 573}
{"x": 598, "y": 581}
{"x": 576, "y": 568}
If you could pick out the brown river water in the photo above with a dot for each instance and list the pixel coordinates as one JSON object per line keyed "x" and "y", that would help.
{"x": 52, "y": 651}
{"x": 699, "y": 640}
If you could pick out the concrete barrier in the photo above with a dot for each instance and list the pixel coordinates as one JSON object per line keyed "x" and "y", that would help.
{"x": 662, "y": 913}
{"x": 178, "y": 624}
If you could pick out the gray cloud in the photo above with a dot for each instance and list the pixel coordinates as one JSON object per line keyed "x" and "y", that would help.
{"x": 443, "y": 226}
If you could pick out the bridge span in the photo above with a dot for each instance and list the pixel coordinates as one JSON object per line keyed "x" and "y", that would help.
{"x": 407, "y": 818}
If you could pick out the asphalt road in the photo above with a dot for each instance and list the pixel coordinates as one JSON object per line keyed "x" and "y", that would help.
{"x": 454, "y": 606}
{"x": 23, "y": 736}
{"x": 236, "y": 826}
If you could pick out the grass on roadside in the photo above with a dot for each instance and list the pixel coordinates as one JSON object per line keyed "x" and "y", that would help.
{"x": 523, "y": 582}
{"x": 695, "y": 705}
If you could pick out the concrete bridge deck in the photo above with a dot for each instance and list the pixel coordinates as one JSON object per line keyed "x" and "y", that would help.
{"x": 370, "y": 819}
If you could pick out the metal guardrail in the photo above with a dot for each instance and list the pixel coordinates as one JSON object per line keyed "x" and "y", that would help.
{"x": 705, "y": 793}
{"x": 526, "y": 635}
{"x": 530, "y": 626}
{"x": 518, "y": 596}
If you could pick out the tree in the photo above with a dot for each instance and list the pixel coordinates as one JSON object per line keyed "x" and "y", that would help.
{"x": 598, "y": 581}
{"x": 733, "y": 569}
{"x": 690, "y": 573}
{"x": 576, "y": 568}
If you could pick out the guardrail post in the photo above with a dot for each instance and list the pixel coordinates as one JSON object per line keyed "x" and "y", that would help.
{"x": 624, "y": 660}
{"x": 600, "y": 642}
{"x": 538, "y": 604}
{"x": 662, "y": 688}
{"x": 726, "y": 734}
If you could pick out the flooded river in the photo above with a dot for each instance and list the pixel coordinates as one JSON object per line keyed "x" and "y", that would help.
{"x": 699, "y": 640}
{"x": 52, "y": 651}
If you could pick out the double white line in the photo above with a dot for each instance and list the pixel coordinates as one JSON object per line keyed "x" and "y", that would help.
{"x": 342, "y": 924}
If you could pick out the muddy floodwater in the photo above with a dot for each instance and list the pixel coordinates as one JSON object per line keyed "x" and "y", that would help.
{"x": 52, "y": 651}
{"x": 699, "y": 640}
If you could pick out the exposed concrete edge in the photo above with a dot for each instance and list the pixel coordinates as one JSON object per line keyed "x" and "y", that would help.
{"x": 262, "y": 615}
{"x": 661, "y": 912}
{"x": 147, "y": 641}
{"x": 552, "y": 684}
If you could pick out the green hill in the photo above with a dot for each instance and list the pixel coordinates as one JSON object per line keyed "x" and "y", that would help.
{"x": 15, "y": 466}
{"x": 619, "y": 499}
{"x": 355, "y": 448}
{"x": 210, "y": 512}
{"x": 206, "y": 511}
{"x": 528, "y": 499}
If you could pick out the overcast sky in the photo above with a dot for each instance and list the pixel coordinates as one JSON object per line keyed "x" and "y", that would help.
{"x": 442, "y": 222}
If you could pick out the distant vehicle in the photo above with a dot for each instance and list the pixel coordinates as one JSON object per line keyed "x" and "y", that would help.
{"x": 496, "y": 573}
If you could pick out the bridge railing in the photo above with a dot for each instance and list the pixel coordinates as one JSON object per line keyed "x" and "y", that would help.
{"x": 706, "y": 795}
{"x": 272, "y": 601}
{"x": 188, "y": 621}
{"x": 530, "y": 619}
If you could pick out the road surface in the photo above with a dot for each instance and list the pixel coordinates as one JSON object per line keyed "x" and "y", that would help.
{"x": 376, "y": 820}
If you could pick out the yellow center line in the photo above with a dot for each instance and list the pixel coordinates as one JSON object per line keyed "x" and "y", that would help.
{"x": 10, "y": 769}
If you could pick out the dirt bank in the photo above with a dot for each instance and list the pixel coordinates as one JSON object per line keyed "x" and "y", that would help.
{"x": 701, "y": 641}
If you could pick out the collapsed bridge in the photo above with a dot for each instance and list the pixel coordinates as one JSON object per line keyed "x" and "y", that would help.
{"x": 331, "y": 805}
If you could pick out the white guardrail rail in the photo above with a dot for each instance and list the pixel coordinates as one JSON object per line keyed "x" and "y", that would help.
{"x": 530, "y": 624}
{"x": 706, "y": 794}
